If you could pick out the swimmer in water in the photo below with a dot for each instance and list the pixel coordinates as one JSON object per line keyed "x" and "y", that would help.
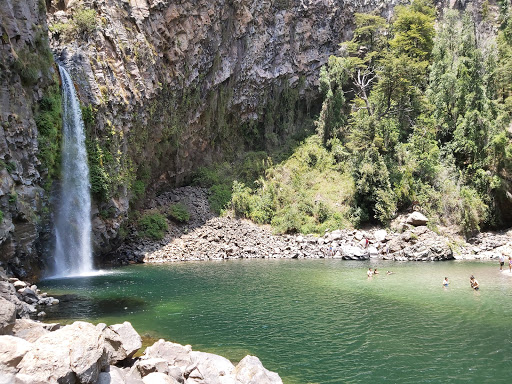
{"x": 474, "y": 283}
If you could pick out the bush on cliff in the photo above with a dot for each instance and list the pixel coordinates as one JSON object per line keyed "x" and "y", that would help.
{"x": 179, "y": 212}
{"x": 152, "y": 225}
{"x": 48, "y": 118}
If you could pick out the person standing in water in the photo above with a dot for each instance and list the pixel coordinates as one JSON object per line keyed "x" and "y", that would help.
{"x": 474, "y": 283}
{"x": 369, "y": 273}
{"x": 510, "y": 263}
{"x": 445, "y": 282}
{"x": 502, "y": 260}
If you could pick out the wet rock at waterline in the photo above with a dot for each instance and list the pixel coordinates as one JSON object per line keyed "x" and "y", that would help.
{"x": 82, "y": 353}
{"x": 25, "y": 298}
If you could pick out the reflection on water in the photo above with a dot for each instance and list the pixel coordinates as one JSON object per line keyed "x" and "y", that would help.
{"x": 316, "y": 321}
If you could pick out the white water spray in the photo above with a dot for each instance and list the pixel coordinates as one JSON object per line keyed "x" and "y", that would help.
{"x": 73, "y": 255}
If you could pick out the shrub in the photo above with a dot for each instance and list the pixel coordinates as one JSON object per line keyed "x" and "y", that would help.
{"x": 473, "y": 211}
{"x": 152, "y": 225}
{"x": 179, "y": 212}
{"x": 241, "y": 199}
{"x": 13, "y": 198}
{"x": 49, "y": 126}
{"x": 206, "y": 177}
{"x": 99, "y": 177}
{"x": 220, "y": 196}
{"x": 85, "y": 21}
{"x": 1, "y": 217}
{"x": 288, "y": 221}
{"x": 83, "y": 24}
{"x": 138, "y": 189}
{"x": 263, "y": 207}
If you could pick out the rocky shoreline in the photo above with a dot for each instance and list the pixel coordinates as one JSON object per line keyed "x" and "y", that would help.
{"x": 206, "y": 237}
{"x": 32, "y": 352}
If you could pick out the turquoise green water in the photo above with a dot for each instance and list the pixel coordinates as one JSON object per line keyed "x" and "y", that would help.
{"x": 317, "y": 321}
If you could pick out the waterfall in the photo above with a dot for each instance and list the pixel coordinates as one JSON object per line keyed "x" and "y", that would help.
{"x": 73, "y": 255}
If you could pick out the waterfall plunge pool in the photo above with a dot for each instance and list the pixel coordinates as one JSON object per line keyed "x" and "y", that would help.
{"x": 315, "y": 321}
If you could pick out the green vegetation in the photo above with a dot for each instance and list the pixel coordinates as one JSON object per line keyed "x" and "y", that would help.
{"x": 179, "y": 212}
{"x": 31, "y": 64}
{"x": 307, "y": 193}
{"x": 13, "y": 198}
{"x": 1, "y": 217}
{"x": 152, "y": 225}
{"x": 409, "y": 115}
{"x": 48, "y": 118}
{"x": 10, "y": 166}
{"x": 84, "y": 22}
{"x": 110, "y": 169}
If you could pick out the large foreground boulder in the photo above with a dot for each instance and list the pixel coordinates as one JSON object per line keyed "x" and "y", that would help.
{"x": 74, "y": 353}
{"x": 31, "y": 330}
{"x": 250, "y": 371}
{"x": 115, "y": 375}
{"x": 12, "y": 350}
{"x": 7, "y": 316}
{"x": 80, "y": 353}
{"x": 121, "y": 341}
{"x": 159, "y": 378}
{"x": 192, "y": 367}
{"x": 210, "y": 368}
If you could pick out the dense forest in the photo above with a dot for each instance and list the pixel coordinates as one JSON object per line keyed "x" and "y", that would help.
{"x": 417, "y": 110}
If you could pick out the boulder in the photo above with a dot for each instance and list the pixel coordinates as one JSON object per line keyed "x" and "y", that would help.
{"x": 380, "y": 235}
{"x": 74, "y": 351}
{"x": 29, "y": 330}
{"x": 18, "y": 284}
{"x": 115, "y": 375}
{"x": 121, "y": 340}
{"x": 210, "y": 368}
{"x": 158, "y": 378}
{"x": 28, "y": 295}
{"x": 8, "y": 292}
{"x": 12, "y": 350}
{"x": 350, "y": 252}
{"x": 417, "y": 219}
{"x": 7, "y": 316}
{"x": 155, "y": 364}
{"x": 175, "y": 354}
{"x": 250, "y": 371}
{"x": 373, "y": 252}
{"x": 336, "y": 235}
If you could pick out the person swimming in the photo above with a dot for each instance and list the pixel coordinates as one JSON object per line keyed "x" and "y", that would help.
{"x": 375, "y": 271}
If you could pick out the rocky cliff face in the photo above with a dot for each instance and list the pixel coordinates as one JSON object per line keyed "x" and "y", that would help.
{"x": 166, "y": 86}
{"x": 172, "y": 85}
{"x": 25, "y": 75}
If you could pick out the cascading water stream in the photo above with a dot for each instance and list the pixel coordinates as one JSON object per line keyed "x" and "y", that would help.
{"x": 73, "y": 255}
